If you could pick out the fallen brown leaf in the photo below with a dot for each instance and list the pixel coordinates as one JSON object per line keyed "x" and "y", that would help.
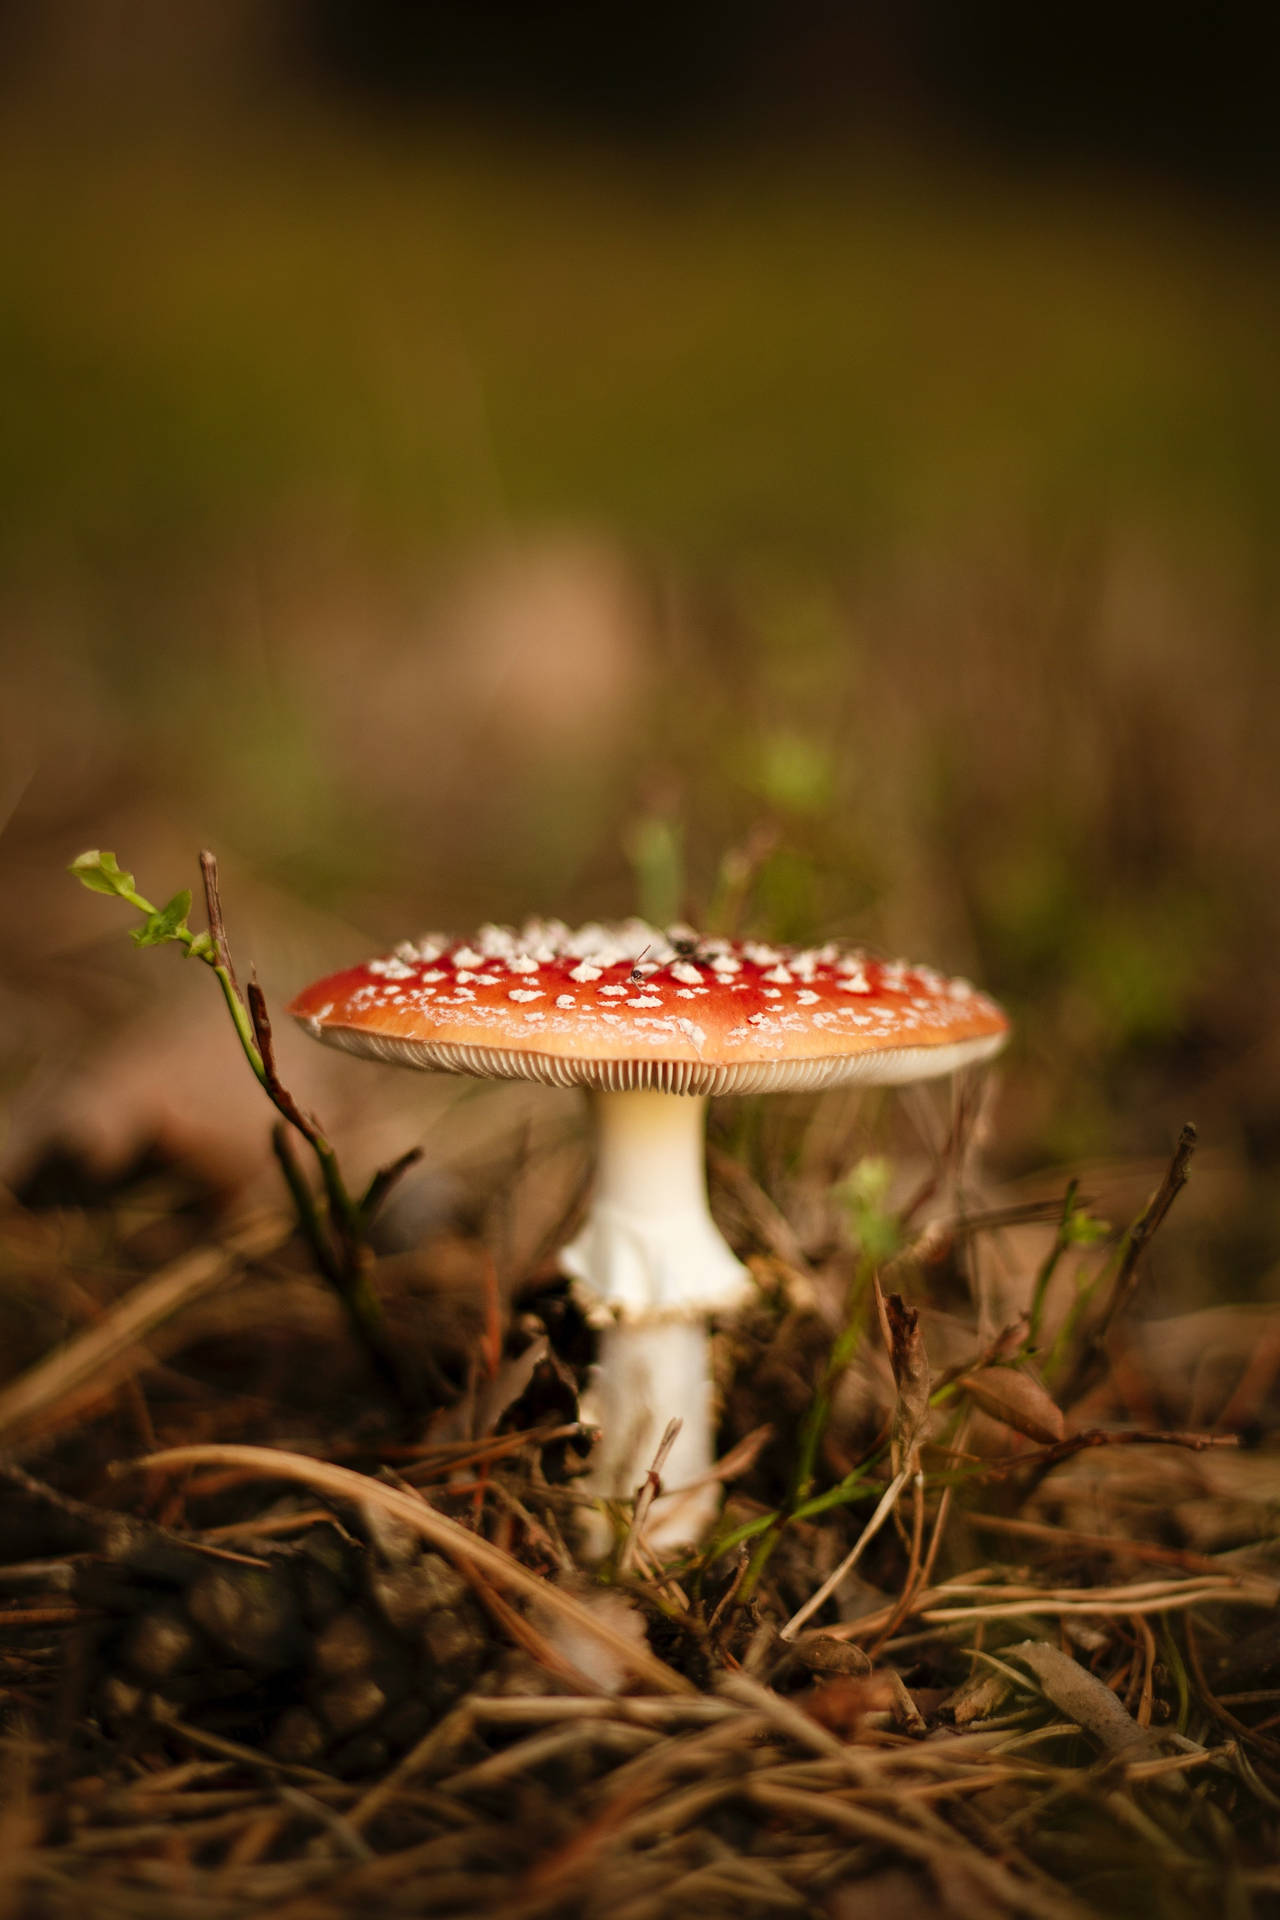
{"x": 1017, "y": 1400}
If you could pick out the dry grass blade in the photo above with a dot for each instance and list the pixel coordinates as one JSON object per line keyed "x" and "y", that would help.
{"x": 98, "y": 1359}
{"x": 985, "y": 1601}
{"x": 1005, "y": 1890}
{"x": 904, "y": 1341}
{"x": 685, "y": 1710}
{"x": 791, "y": 1721}
{"x": 650, "y": 1488}
{"x": 465, "y": 1548}
{"x": 1169, "y": 1600}
{"x": 888, "y": 1501}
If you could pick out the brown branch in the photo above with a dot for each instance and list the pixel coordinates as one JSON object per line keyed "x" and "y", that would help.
{"x": 1090, "y": 1361}
{"x": 1045, "y": 1457}
{"x": 1142, "y": 1233}
{"x": 345, "y": 1263}
{"x": 305, "y": 1207}
{"x": 382, "y": 1182}
{"x": 213, "y": 912}
{"x": 281, "y": 1097}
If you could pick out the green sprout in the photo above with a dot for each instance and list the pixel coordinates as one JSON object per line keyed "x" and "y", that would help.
{"x": 337, "y": 1233}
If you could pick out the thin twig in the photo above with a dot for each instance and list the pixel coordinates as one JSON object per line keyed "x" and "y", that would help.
{"x": 1049, "y": 1265}
{"x": 304, "y": 1206}
{"x": 650, "y": 1488}
{"x": 1046, "y": 1457}
{"x": 280, "y": 1095}
{"x": 371, "y": 1200}
{"x": 1090, "y": 1359}
{"x": 888, "y": 1501}
{"x": 1008, "y": 1892}
{"x": 919, "y": 1576}
{"x": 213, "y": 913}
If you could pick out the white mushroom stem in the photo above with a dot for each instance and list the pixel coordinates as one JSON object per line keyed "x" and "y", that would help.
{"x": 650, "y": 1268}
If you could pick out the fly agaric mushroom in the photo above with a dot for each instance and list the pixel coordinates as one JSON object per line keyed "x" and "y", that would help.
{"x": 651, "y": 1023}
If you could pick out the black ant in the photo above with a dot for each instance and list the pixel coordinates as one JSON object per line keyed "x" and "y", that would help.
{"x": 686, "y": 948}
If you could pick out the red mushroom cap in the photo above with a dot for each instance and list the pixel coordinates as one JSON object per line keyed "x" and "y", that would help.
{"x": 623, "y": 1007}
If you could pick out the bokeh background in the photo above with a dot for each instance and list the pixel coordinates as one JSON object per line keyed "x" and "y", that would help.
{"x": 805, "y": 464}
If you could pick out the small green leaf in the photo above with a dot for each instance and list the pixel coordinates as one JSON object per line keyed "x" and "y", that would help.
{"x": 867, "y": 1187}
{"x": 202, "y": 948}
{"x": 1082, "y": 1228}
{"x": 167, "y": 924}
{"x": 100, "y": 873}
{"x": 866, "y": 1195}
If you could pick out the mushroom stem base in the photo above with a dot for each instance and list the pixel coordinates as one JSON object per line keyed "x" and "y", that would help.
{"x": 649, "y": 1268}
{"x": 646, "y": 1377}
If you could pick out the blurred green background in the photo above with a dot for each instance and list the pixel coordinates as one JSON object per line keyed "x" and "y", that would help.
{"x": 453, "y": 487}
